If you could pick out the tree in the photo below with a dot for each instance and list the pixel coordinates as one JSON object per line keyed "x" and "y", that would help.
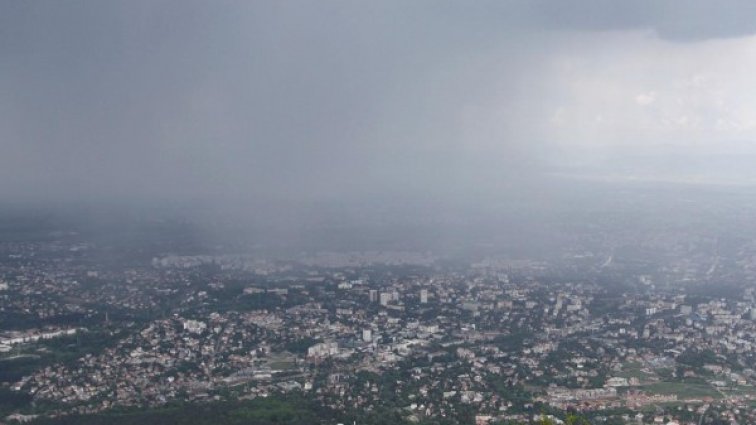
{"x": 573, "y": 419}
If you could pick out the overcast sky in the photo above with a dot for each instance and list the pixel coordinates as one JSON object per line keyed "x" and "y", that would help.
{"x": 335, "y": 100}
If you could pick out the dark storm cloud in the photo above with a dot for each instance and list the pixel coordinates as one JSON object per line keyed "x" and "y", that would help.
{"x": 291, "y": 100}
{"x": 153, "y": 98}
{"x": 674, "y": 20}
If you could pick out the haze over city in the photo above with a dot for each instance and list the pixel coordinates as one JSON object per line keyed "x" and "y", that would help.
{"x": 341, "y": 102}
{"x": 378, "y": 212}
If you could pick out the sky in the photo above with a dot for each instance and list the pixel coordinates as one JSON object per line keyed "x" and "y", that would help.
{"x": 267, "y": 102}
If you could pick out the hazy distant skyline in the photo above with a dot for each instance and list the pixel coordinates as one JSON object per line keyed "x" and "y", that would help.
{"x": 335, "y": 100}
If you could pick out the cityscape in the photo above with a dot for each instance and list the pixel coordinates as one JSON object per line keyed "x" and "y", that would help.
{"x": 377, "y": 212}
{"x": 607, "y": 335}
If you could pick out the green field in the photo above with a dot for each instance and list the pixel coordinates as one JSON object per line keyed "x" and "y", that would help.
{"x": 633, "y": 370}
{"x": 282, "y": 365}
{"x": 739, "y": 390}
{"x": 282, "y": 362}
{"x": 683, "y": 390}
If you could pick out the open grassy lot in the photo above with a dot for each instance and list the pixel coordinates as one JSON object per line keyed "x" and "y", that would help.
{"x": 739, "y": 390}
{"x": 282, "y": 365}
{"x": 634, "y": 370}
{"x": 683, "y": 390}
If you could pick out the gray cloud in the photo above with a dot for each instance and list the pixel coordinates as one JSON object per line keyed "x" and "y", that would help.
{"x": 692, "y": 20}
{"x": 297, "y": 100}
{"x": 674, "y": 20}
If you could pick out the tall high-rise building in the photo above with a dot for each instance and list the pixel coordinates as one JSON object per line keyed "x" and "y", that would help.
{"x": 373, "y": 295}
{"x": 423, "y": 296}
{"x": 385, "y": 298}
{"x": 367, "y": 335}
